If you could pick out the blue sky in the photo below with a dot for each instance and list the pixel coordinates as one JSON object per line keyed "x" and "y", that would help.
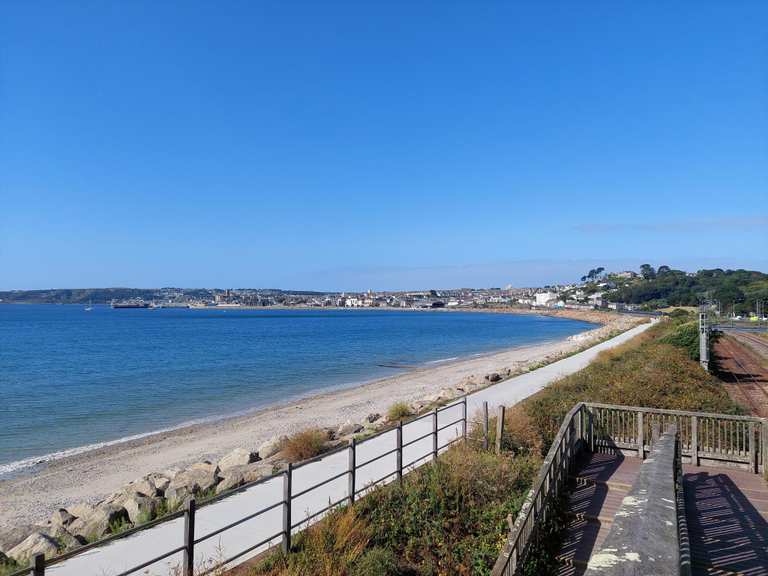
{"x": 389, "y": 145}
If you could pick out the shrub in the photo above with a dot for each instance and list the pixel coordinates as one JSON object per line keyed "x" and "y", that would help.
{"x": 376, "y": 562}
{"x": 398, "y": 411}
{"x": 685, "y": 336}
{"x": 305, "y": 444}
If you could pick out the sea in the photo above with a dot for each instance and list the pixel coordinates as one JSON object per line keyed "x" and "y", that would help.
{"x": 72, "y": 380}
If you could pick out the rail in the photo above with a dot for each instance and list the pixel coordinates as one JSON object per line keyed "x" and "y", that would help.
{"x": 192, "y": 536}
{"x": 704, "y": 439}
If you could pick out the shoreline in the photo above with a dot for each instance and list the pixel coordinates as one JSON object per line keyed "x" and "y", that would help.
{"x": 89, "y": 476}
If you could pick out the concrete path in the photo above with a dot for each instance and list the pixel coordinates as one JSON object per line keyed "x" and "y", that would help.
{"x": 120, "y": 556}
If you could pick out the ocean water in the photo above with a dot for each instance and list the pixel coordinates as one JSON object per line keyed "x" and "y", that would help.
{"x": 70, "y": 378}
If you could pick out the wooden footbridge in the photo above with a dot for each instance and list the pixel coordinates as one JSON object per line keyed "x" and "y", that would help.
{"x": 642, "y": 491}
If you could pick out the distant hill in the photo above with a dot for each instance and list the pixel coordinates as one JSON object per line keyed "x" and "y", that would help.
{"x": 668, "y": 287}
{"x": 106, "y": 295}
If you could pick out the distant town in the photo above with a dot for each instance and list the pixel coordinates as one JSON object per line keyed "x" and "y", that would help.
{"x": 734, "y": 291}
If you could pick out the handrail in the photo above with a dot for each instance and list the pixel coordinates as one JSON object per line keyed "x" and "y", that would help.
{"x": 522, "y": 534}
{"x": 40, "y": 563}
{"x": 703, "y": 437}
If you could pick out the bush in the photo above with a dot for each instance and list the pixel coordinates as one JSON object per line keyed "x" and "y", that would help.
{"x": 305, "y": 444}
{"x": 376, "y": 562}
{"x": 685, "y": 336}
{"x": 398, "y": 411}
{"x": 521, "y": 435}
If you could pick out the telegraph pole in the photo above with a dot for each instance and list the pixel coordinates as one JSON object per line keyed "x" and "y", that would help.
{"x": 703, "y": 338}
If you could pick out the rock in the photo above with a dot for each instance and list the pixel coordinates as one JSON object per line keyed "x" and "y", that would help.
{"x": 271, "y": 446}
{"x": 150, "y": 485}
{"x": 34, "y": 544}
{"x": 348, "y": 428}
{"x": 140, "y": 508}
{"x": 238, "y": 475}
{"x": 62, "y": 518}
{"x": 493, "y": 377}
{"x": 99, "y": 522}
{"x": 238, "y": 457}
{"x": 195, "y": 480}
{"x": 13, "y": 536}
{"x": 81, "y": 510}
{"x": 372, "y": 417}
{"x": 66, "y": 540}
{"x": 3, "y": 559}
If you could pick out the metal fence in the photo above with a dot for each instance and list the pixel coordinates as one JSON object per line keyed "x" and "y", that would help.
{"x": 190, "y": 536}
{"x": 704, "y": 439}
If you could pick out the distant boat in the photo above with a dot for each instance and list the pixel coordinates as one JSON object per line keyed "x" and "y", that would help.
{"x": 90, "y": 306}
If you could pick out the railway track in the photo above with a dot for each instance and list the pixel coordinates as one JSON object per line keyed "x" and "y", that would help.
{"x": 759, "y": 344}
{"x": 749, "y": 376}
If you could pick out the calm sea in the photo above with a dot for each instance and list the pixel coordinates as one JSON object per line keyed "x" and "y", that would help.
{"x": 71, "y": 378}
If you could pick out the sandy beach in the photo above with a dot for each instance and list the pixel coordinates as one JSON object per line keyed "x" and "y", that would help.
{"x": 91, "y": 476}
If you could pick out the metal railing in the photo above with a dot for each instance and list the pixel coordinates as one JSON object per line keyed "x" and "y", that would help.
{"x": 704, "y": 439}
{"x": 191, "y": 538}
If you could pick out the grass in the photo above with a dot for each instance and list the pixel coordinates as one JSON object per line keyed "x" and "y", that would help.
{"x": 447, "y": 518}
{"x": 398, "y": 411}
{"x": 305, "y": 444}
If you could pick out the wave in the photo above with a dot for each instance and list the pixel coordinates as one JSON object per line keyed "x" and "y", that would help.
{"x": 442, "y": 360}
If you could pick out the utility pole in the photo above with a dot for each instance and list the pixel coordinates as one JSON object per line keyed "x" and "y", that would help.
{"x": 703, "y": 338}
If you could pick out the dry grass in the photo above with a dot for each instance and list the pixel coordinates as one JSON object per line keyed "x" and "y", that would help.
{"x": 398, "y": 411}
{"x": 305, "y": 444}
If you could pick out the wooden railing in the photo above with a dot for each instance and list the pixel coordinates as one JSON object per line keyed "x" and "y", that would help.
{"x": 704, "y": 439}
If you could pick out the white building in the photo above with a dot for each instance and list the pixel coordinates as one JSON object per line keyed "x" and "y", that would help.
{"x": 545, "y": 299}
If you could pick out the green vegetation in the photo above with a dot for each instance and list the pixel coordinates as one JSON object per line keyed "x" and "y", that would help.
{"x": 655, "y": 369}
{"x": 398, "y": 411}
{"x": 448, "y": 518}
{"x": 305, "y": 444}
{"x": 664, "y": 287}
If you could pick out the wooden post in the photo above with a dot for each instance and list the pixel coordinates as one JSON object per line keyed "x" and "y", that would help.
{"x": 352, "y": 470}
{"x": 655, "y": 432}
{"x": 464, "y": 419}
{"x": 753, "y": 463}
{"x": 485, "y": 425}
{"x": 640, "y": 436}
{"x": 434, "y": 434}
{"x": 38, "y": 568}
{"x": 188, "y": 568}
{"x": 287, "y": 481}
{"x": 499, "y": 428}
{"x": 694, "y": 440}
{"x": 591, "y": 429}
{"x": 400, "y": 450}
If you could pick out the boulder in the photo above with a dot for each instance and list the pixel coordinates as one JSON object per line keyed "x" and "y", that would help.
{"x": 150, "y": 485}
{"x": 238, "y": 457}
{"x": 62, "y": 518}
{"x": 493, "y": 377}
{"x": 271, "y": 446}
{"x": 348, "y": 428}
{"x": 140, "y": 508}
{"x": 34, "y": 544}
{"x": 13, "y": 536}
{"x": 99, "y": 522}
{"x": 372, "y": 417}
{"x": 66, "y": 540}
{"x": 238, "y": 475}
{"x": 80, "y": 510}
{"x": 195, "y": 480}
{"x": 3, "y": 559}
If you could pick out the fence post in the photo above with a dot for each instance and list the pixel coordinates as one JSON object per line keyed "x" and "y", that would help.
{"x": 499, "y": 428}
{"x": 38, "y": 568}
{"x": 591, "y": 429}
{"x": 287, "y": 481}
{"x": 485, "y": 425}
{"x": 640, "y": 436}
{"x": 434, "y": 434}
{"x": 655, "y": 432}
{"x": 694, "y": 440}
{"x": 400, "y": 450}
{"x": 189, "y": 538}
{"x": 352, "y": 469}
{"x": 464, "y": 419}
{"x": 752, "y": 449}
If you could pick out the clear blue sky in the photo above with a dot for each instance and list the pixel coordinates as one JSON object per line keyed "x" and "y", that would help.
{"x": 358, "y": 145}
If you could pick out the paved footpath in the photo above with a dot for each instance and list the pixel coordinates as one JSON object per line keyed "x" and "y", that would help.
{"x": 521, "y": 387}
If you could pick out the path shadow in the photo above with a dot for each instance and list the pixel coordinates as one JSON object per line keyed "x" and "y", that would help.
{"x": 726, "y": 532}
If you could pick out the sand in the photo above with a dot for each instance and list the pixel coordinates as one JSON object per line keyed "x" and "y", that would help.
{"x": 91, "y": 476}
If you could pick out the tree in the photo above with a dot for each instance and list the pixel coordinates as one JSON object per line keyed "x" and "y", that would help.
{"x": 647, "y": 272}
{"x": 663, "y": 270}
